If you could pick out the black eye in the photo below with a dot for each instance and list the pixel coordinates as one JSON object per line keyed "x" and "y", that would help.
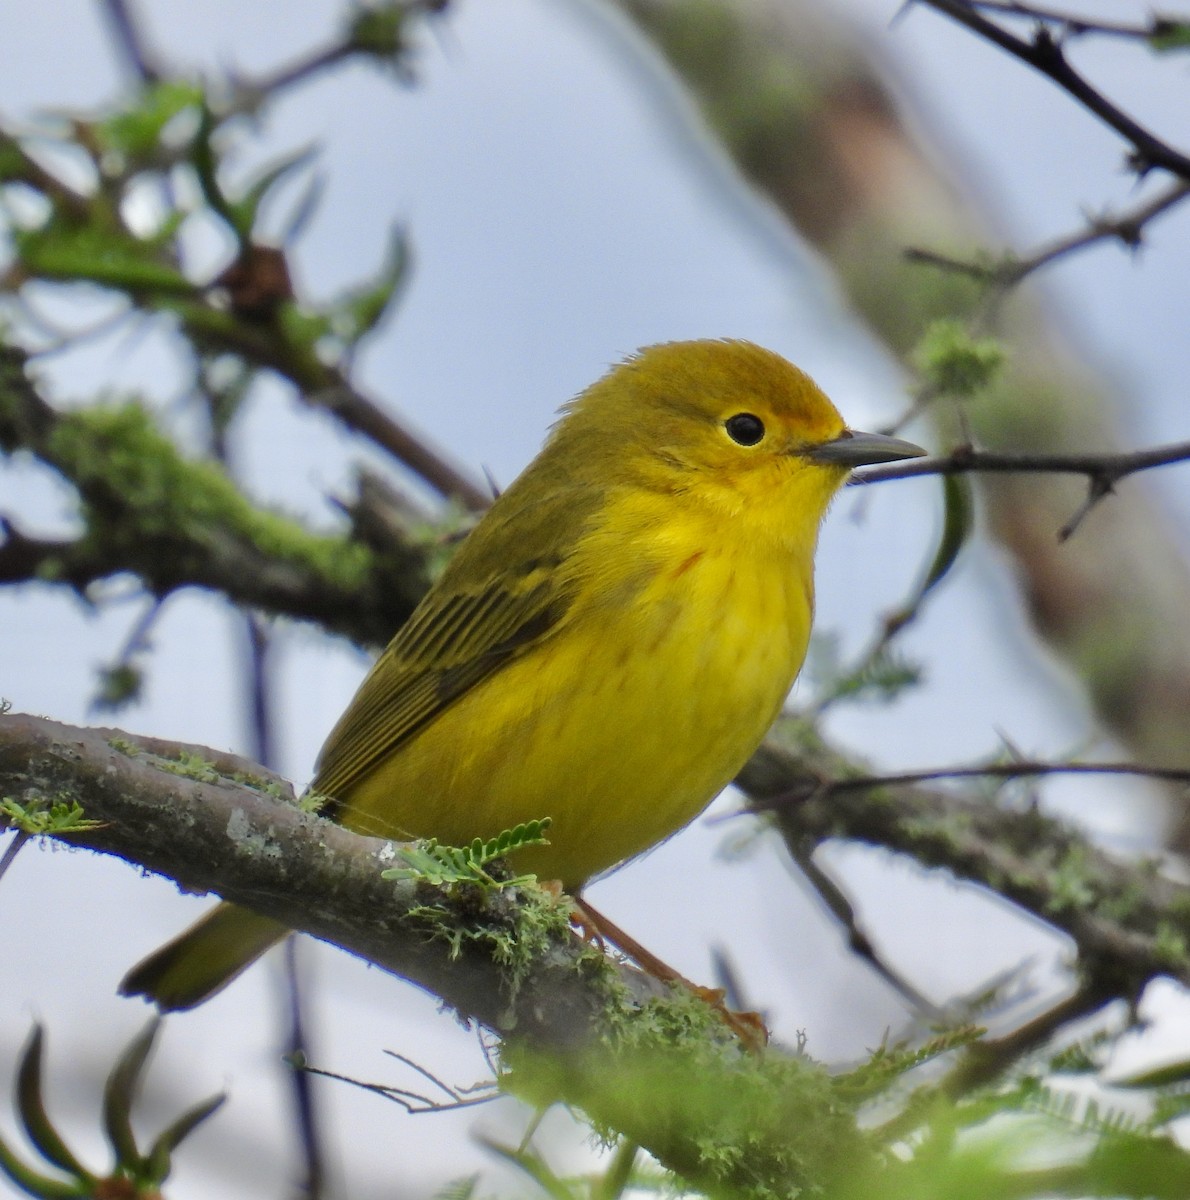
{"x": 744, "y": 428}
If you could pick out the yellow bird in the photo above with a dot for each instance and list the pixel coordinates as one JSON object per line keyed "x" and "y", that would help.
{"x": 607, "y": 647}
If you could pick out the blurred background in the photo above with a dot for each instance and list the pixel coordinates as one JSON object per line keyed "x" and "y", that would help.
{"x": 565, "y": 206}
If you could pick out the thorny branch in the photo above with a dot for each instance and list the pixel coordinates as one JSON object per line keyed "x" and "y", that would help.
{"x": 1126, "y": 227}
{"x": 1071, "y": 24}
{"x": 1045, "y": 54}
{"x": 1103, "y": 471}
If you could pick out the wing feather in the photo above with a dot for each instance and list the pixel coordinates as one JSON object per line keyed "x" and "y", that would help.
{"x": 457, "y": 637}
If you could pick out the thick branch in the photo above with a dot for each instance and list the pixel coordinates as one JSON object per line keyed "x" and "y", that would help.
{"x": 174, "y": 523}
{"x": 1128, "y": 920}
{"x": 268, "y": 854}
{"x": 662, "y": 1072}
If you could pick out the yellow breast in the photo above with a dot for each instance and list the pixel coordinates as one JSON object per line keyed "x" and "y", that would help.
{"x": 623, "y": 726}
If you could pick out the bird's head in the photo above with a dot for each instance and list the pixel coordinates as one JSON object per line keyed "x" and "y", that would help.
{"x": 727, "y": 424}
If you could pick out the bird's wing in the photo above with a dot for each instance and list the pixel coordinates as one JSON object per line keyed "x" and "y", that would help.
{"x": 457, "y": 637}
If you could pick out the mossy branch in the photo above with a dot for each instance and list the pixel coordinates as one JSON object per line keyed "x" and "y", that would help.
{"x": 174, "y": 522}
{"x": 504, "y": 957}
{"x": 1129, "y": 921}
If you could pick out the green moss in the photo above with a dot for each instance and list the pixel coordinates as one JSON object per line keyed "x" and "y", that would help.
{"x": 948, "y": 830}
{"x": 670, "y": 1075}
{"x": 123, "y": 746}
{"x": 1171, "y": 946}
{"x": 514, "y": 926}
{"x": 313, "y": 802}
{"x": 1125, "y": 905}
{"x": 1179, "y": 907}
{"x": 1071, "y": 882}
{"x": 138, "y": 490}
{"x": 266, "y": 787}
{"x": 191, "y": 766}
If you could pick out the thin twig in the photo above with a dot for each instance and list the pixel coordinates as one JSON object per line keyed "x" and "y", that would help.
{"x": 1045, "y": 55}
{"x": 452, "y": 1094}
{"x": 985, "y": 1060}
{"x": 297, "y": 1051}
{"x": 858, "y": 942}
{"x": 966, "y": 459}
{"x": 1012, "y": 770}
{"x": 1076, "y": 25}
{"x": 1017, "y": 852}
{"x": 19, "y": 838}
{"x": 130, "y": 39}
{"x": 1126, "y": 227}
{"x": 1103, "y": 471}
{"x": 364, "y": 416}
{"x": 260, "y": 709}
{"x": 251, "y": 92}
{"x": 411, "y": 1102}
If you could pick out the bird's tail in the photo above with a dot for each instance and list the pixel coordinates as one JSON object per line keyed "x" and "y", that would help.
{"x": 203, "y": 959}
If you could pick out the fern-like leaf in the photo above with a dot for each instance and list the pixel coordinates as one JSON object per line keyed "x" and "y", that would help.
{"x": 429, "y": 862}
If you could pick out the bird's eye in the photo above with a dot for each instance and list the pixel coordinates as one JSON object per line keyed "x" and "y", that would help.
{"x": 745, "y": 428}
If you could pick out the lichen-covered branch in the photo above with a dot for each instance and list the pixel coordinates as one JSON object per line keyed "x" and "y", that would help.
{"x": 575, "y": 1026}
{"x": 1129, "y": 921}
{"x": 217, "y": 823}
{"x": 174, "y": 522}
{"x": 657, "y": 1070}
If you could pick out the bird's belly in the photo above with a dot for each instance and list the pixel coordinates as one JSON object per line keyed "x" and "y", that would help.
{"x": 621, "y": 731}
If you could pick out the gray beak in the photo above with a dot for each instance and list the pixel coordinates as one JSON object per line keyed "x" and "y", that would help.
{"x": 854, "y": 449}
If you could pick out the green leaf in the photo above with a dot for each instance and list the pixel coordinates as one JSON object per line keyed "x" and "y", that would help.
{"x": 958, "y": 522}
{"x": 243, "y": 212}
{"x": 1169, "y": 36}
{"x": 881, "y": 678}
{"x": 119, "y": 1095}
{"x": 1164, "y": 1076}
{"x": 462, "y": 1188}
{"x": 431, "y": 863}
{"x": 119, "y": 685}
{"x": 537, "y": 1169}
{"x": 34, "y": 1118}
{"x": 136, "y": 132}
{"x": 73, "y": 254}
{"x": 157, "y": 1161}
{"x": 33, "y": 1184}
{"x": 36, "y": 817}
{"x": 378, "y": 30}
{"x": 357, "y": 313}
